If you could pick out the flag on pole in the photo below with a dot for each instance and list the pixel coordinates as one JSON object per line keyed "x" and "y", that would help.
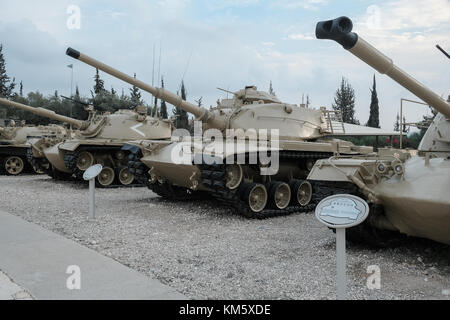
{"x": 70, "y": 66}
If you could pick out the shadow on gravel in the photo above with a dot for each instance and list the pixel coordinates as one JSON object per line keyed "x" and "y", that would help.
{"x": 423, "y": 252}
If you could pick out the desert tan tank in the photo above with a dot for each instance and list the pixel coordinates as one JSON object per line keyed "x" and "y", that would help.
{"x": 407, "y": 194}
{"x": 98, "y": 139}
{"x": 252, "y": 152}
{"x": 15, "y": 144}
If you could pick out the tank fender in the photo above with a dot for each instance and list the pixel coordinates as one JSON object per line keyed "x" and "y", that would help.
{"x": 324, "y": 171}
{"x": 69, "y": 146}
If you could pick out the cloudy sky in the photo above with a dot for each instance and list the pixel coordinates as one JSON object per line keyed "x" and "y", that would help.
{"x": 229, "y": 44}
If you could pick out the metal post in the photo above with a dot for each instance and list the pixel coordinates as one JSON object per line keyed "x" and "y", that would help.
{"x": 71, "y": 92}
{"x": 401, "y": 116}
{"x": 341, "y": 262}
{"x": 92, "y": 198}
{"x": 401, "y": 123}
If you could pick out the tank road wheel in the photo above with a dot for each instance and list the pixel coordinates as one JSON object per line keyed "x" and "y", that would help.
{"x": 256, "y": 196}
{"x": 279, "y": 194}
{"x": 106, "y": 177}
{"x": 85, "y": 160}
{"x": 120, "y": 155}
{"x": 38, "y": 170}
{"x": 301, "y": 191}
{"x": 234, "y": 174}
{"x": 13, "y": 165}
{"x": 125, "y": 176}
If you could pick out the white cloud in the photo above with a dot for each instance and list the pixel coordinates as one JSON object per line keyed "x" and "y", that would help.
{"x": 304, "y": 4}
{"x": 223, "y": 4}
{"x": 300, "y": 36}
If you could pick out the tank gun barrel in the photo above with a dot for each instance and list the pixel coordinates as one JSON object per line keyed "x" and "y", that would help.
{"x": 200, "y": 113}
{"x": 79, "y": 124}
{"x": 340, "y": 29}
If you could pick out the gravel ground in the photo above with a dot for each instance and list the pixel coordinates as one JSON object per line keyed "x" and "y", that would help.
{"x": 206, "y": 252}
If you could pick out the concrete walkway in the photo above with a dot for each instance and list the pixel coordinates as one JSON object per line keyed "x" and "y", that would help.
{"x": 37, "y": 260}
{"x": 11, "y": 291}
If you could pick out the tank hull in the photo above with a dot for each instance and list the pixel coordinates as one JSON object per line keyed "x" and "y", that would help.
{"x": 193, "y": 165}
{"x": 55, "y": 157}
{"x": 419, "y": 204}
{"x": 415, "y": 203}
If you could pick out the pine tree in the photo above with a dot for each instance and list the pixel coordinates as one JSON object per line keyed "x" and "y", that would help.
{"x": 271, "y": 89}
{"x": 344, "y": 102}
{"x": 6, "y": 85}
{"x": 163, "y": 112}
{"x": 135, "y": 95}
{"x": 99, "y": 86}
{"x": 21, "y": 88}
{"x": 113, "y": 92}
{"x": 374, "y": 118}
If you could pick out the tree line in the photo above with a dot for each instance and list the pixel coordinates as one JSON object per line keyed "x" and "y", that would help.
{"x": 344, "y": 102}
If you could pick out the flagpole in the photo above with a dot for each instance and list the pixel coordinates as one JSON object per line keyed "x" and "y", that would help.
{"x": 71, "y": 90}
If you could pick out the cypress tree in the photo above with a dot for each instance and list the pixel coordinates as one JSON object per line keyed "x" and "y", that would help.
{"x": 374, "y": 118}
{"x": 271, "y": 89}
{"x": 163, "y": 112}
{"x": 182, "y": 121}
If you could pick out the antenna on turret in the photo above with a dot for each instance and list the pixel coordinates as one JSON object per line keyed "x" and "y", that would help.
{"x": 153, "y": 75}
{"x": 227, "y": 91}
{"x": 443, "y": 51}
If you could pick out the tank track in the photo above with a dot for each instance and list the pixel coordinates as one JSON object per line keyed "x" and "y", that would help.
{"x": 38, "y": 163}
{"x": 366, "y": 232}
{"x": 70, "y": 161}
{"x": 214, "y": 178}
